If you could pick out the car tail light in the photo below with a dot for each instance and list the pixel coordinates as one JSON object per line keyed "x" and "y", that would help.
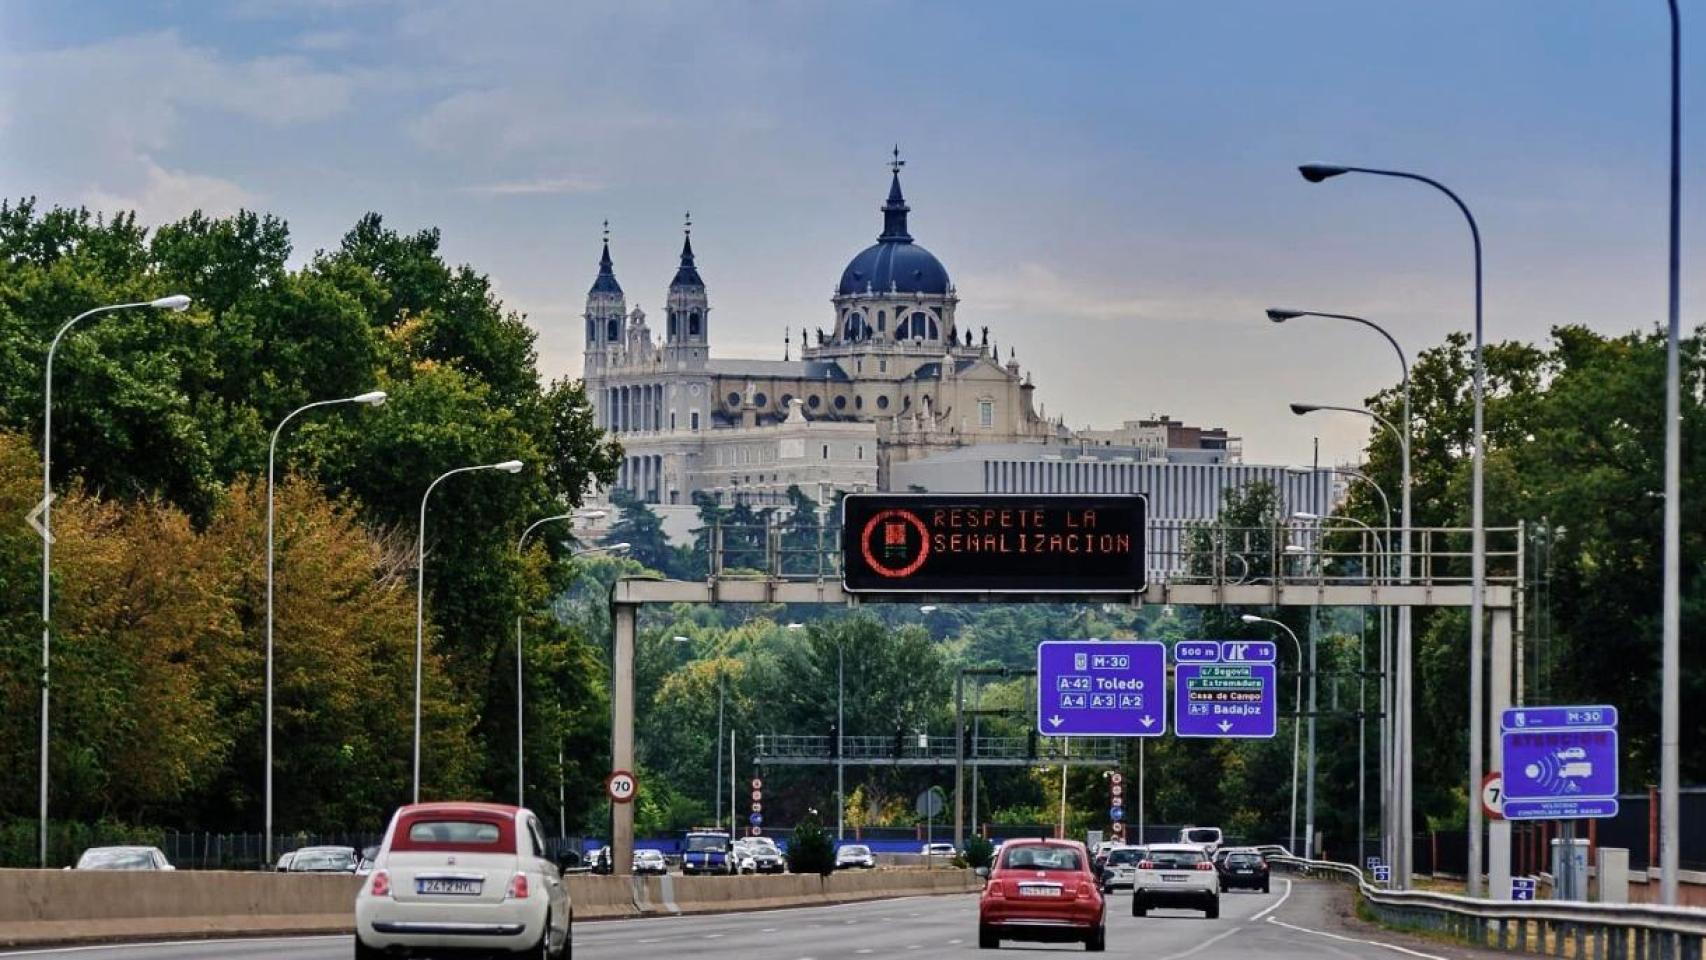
{"x": 1085, "y": 889}
{"x": 1263, "y": 864}
{"x": 1146, "y": 865}
{"x": 517, "y": 888}
{"x": 1205, "y": 865}
{"x": 994, "y": 889}
{"x": 381, "y": 884}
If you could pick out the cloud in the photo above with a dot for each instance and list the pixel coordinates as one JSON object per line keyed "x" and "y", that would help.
{"x": 168, "y": 195}
{"x": 572, "y": 183}
{"x": 325, "y": 41}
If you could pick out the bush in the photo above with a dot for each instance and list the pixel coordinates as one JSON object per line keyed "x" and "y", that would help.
{"x": 979, "y": 852}
{"x": 811, "y": 850}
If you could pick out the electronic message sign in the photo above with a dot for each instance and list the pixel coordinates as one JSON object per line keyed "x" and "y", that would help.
{"x": 993, "y": 543}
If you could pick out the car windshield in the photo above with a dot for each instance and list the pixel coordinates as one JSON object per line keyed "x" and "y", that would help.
{"x": 116, "y": 860}
{"x": 1243, "y": 860}
{"x": 1202, "y": 836}
{"x": 761, "y": 846}
{"x": 323, "y": 860}
{"x": 855, "y": 851}
{"x": 1175, "y": 859}
{"x": 1042, "y": 858}
{"x": 471, "y": 832}
{"x": 647, "y": 855}
{"x": 1128, "y": 855}
{"x": 707, "y": 844}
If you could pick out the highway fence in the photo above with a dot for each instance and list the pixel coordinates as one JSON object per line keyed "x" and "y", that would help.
{"x": 1558, "y": 928}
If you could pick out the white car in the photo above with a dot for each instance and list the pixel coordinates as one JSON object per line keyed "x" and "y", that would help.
{"x": 854, "y": 855}
{"x": 1208, "y": 838}
{"x": 1176, "y": 875}
{"x": 469, "y": 876}
{"x": 650, "y": 861}
{"x": 758, "y": 855}
{"x": 123, "y": 858}
{"x": 937, "y": 850}
{"x": 1120, "y": 869}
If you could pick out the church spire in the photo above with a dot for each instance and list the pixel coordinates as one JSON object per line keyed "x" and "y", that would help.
{"x": 606, "y": 282}
{"x": 895, "y": 210}
{"x": 687, "y": 275}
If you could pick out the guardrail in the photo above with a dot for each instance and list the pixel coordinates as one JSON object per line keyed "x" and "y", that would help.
{"x": 1559, "y": 928}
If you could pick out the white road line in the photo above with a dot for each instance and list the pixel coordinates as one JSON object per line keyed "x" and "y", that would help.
{"x": 1211, "y": 941}
{"x": 1372, "y": 943}
{"x": 1276, "y": 904}
{"x": 46, "y": 951}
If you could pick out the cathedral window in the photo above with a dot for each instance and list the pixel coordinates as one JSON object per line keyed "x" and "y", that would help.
{"x": 613, "y": 330}
{"x": 855, "y": 329}
{"x": 693, "y": 324}
{"x": 826, "y": 446}
{"x": 759, "y": 399}
{"x": 672, "y": 323}
{"x": 882, "y": 403}
{"x": 694, "y": 419}
{"x": 814, "y": 401}
{"x": 840, "y": 403}
{"x": 882, "y": 366}
{"x": 858, "y": 403}
{"x": 591, "y": 331}
{"x": 882, "y": 320}
{"x": 787, "y": 398}
{"x": 734, "y": 399}
{"x": 986, "y": 413}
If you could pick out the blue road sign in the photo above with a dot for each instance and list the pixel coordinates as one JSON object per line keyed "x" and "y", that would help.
{"x": 1373, "y": 862}
{"x": 1382, "y": 874}
{"x": 1196, "y": 651}
{"x": 1116, "y": 812}
{"x": 756, "y": 819}
{"x": 1233, "y": 697}
{"x": 1522, "y": 888}
{"x": 1556, "y": 718}
{"x": 1101, "y": 688}
{"x": 1560, "y": 762}
{"x": 1249, "y": 651}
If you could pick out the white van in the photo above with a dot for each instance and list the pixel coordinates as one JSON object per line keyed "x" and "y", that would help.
{"x": 1207, "y": 838}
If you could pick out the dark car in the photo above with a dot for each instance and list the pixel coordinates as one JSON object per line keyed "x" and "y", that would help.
{"x": 1243, "y": 870}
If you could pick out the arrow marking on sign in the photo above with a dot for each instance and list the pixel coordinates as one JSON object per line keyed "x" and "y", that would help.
{"x": 1147, "y": 721}
{"x": 1056, "y": 720}
{"x": 34, "y": 518}
{"x": 1225, "y": 725}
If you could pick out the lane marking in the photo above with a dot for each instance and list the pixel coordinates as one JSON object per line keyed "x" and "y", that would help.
{"x": 1211, "y": 941}
{"x": 112, "y": 947}
{"x": 1276, "y": 904}
{"x": 1371, "y": 943}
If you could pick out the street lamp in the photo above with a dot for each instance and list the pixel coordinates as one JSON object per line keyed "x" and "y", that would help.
{"x": 520, "y": 755}
{"x": 372, "y": 398}
{"x": 1315, "y": 173}
{"x": 176, "y": 303}
{"x": 1297, "y": 722}
{"x": 507, "y": 466}
{"x": 1670, "y": 657}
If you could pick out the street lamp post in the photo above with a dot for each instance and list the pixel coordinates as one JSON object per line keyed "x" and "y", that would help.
{"x": 1315, "y": 173}
{"x": 520, "y": 755}
{"x": 507, "y": 466}
{"x": 372, "y": 398}
{"x": 1297, "y": 724}
{"x": 1670, "y": 664}
{"x": 177, "y": 304}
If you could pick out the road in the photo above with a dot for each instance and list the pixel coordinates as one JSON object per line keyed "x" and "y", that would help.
{"x": 1299, "y": 925}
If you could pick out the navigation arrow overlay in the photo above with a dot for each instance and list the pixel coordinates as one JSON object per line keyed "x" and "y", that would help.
{"x": 34, "y": 518}
{"x": 1056, "y": 720}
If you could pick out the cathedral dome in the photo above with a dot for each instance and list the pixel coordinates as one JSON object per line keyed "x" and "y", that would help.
{"x": 894, "y": 262}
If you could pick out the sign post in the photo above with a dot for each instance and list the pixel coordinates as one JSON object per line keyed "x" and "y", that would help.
{"x": 1101, "y": 688}
{"x": 1225, "y": 689}
{"x": 993, "y": 543}
{"x": 1560, "y": 762}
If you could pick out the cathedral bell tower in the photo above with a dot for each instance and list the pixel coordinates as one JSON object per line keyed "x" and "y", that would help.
{"x": 687, "y": 331}
{"x": 606, "y": 316}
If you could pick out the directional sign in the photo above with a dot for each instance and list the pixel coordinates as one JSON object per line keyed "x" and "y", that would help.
{"x": 1116, "y": 812}
{"x": 34, "y": 519}
{"x": 1196, "y": 651}
{"x": 1101, "y": 688}
{"x": 756, "y": 819}
{"x": 620, "y": 786}
{"x": 1232, "y": 697}
{"x": 1560, "y": 762}
{"x": 1372, "y": 863}
{"x": 993, "y": 543}
{"x": 1383, "y": 874}
{"x": 1522, "y": 888}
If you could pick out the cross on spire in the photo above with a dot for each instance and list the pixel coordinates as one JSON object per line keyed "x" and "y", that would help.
{"x": 688, "y": 228}
{"x": 607, "y": 231}
{"x": 897, "y": 162}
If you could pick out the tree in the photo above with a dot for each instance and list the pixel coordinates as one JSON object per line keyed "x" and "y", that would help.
{"x": 638, "y": 527}
{"x": 811, "y": 849}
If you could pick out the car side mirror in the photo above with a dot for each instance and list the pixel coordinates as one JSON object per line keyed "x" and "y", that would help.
{"x": 982, "y": 872}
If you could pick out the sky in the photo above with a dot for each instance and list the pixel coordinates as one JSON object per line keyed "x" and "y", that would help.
{"x": 1112, "y": 186}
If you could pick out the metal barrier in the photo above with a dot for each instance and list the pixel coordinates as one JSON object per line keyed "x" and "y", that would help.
{"x": 1559, "y": 928}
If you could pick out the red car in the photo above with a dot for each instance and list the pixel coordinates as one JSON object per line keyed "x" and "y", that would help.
{"x": 1042, "y": 890}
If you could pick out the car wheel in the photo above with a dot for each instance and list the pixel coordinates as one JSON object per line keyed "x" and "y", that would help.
{"x": 1264, "y": 886}
{"x": 987, "y": 938}
{"x": 1097, "y": 941}
{"x": 365, "y": 952}
{"x": 1138, "y": 907}
{"x": 1212, "y": 911}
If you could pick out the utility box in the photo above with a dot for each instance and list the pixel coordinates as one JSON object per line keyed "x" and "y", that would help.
{"x": 1569, "y": 869}
{"x": 1613, "y": 875}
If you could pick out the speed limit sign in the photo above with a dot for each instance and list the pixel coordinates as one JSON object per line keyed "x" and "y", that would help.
{"x": 1116, "y": 779}
{"x": 757, "y": 784}
{"x": 620, "y": 786}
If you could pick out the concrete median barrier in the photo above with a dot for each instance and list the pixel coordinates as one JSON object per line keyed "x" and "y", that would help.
{"x": 40, "y": 907}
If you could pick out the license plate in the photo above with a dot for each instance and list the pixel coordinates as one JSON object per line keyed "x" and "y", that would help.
{"x": 448, "y": 887}
{"x": 1245, "y": 870}
{"x": 1172, "y": 878}
{"x": 1037, "y": 890}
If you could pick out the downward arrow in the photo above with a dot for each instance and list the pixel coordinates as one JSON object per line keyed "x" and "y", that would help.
{"x": 1147, "y": 721}
{"x": 1225, "y": 725}
{"x": 1056, "y": 721}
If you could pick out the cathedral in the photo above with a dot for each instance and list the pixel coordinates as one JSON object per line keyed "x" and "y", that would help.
{"x": 895, "y": 378}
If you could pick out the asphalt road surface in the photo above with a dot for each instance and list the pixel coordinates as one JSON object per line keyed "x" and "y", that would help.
{"x": 1298, "y": 921}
